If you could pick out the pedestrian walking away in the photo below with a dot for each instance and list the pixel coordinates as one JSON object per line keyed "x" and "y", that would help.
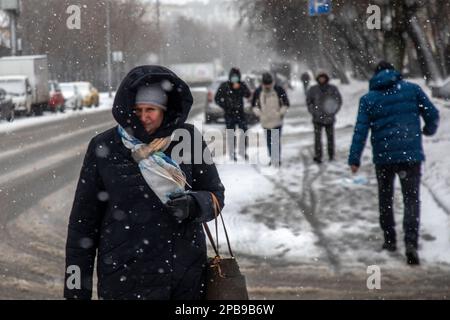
{"x": 305, "y": 78}
{"x": 392, "y": 111}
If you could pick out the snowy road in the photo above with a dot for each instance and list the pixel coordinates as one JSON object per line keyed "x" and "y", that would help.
{"x": 302, "y": 232}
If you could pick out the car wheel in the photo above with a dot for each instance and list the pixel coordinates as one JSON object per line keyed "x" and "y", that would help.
{"x": 38, "y": 111}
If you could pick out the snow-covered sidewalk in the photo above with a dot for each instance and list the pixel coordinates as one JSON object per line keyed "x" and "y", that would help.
{"x": 306, "y": 214}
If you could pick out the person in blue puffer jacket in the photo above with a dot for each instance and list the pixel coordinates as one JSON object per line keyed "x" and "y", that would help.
{"x": 391, "y": 111}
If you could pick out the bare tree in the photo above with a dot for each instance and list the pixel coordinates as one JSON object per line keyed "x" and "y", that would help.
{"x": 81, "y": 54}
{"x": 344, "y": 40}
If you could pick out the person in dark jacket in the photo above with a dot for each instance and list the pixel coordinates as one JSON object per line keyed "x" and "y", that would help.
{"x": 135, "y": 209}
{"x": 230, "y": 97}
{"x": 391, "y": 111}
{"x": 270, "y": 104}
{"x": 305, "y": 78}
{"x": 324, "y": 102}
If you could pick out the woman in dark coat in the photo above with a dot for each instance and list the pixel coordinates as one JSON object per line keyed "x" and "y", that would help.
{"x": 146, "y": 248}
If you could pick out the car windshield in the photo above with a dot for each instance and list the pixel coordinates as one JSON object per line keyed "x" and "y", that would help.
{"x": 67, "y": 88}
{"x": 13, "y": 87}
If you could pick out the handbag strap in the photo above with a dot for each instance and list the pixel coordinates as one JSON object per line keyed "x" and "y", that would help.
{"x": 217, "y": 212}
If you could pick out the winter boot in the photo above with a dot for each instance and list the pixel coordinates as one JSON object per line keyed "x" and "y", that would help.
{"x": 412, "y": 257}
{"x": 389, "y": 246}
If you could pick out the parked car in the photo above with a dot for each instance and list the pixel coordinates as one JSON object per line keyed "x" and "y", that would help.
{"x": 56, "y": 101}
{"x": 6, "y": 106}
{"x": 31, "y": 74}
{"x": 20, "y": 91}
{"x": 72, "y": 96}
{"x": 441, "y": 91}
{"x": 89, "y": 93}
{"x": 215, "y": 114}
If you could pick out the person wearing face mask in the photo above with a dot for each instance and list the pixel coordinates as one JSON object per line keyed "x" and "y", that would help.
{"x": 230, "y": 97}
{"x": 137, "y": 211}
{"x": 270, "y": 104}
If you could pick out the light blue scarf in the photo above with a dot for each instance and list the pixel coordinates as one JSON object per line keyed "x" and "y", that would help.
{"x": 163, "y": 175}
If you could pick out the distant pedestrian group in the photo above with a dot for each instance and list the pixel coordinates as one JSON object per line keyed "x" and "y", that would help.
{"x": 391, "y": 111}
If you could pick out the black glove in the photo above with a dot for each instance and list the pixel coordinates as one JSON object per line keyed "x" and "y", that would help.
{"x": 182, "y": 206}
{"x": 426, "y": 132}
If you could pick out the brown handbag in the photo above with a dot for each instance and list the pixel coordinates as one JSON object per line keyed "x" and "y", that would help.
{"x": 224, "y": 279}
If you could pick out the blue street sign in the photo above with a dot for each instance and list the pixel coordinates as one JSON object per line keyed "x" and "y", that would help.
{"x": 317, "y": 7}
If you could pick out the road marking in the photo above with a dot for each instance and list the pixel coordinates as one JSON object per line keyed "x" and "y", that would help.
{"x": 43, "y": 164}
{"x": 37, "y": 145}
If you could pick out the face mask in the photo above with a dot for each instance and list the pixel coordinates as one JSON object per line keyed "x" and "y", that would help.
{"x": 234, "y": 79}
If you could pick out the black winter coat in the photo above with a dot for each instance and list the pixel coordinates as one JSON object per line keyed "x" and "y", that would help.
{"x": 231, "y": 100}
{"x": 142, "y": 251}
{"x": 324, "y": 102}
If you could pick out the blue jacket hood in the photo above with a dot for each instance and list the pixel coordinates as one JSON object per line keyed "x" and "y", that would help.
{"x": 385, "y": 79}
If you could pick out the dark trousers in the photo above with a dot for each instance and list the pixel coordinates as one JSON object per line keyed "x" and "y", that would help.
{"x": 271, "y": 142}
{"x": 409, "y": 174}
{"x": 231, "y": 123}
{"x": 329, "y": 128}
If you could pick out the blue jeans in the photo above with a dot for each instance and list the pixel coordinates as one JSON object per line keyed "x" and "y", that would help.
{"x": 231, "y": 123}
{"x": 276, "y": 159}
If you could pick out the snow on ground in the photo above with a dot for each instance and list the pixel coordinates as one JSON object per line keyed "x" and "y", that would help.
{"x": 436, "y": 171}
{"x": 253, "y": 213}
{"x": 265, "y": 220}
{"x": 48, "y": 117}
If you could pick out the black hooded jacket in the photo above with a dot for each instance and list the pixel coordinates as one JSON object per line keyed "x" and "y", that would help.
{"x": 232, "y": 100}
{"x": 142, "y": 251}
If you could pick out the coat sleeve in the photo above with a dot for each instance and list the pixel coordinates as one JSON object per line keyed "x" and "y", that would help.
{"x": 256, "y": 104}
{"x": 282, "y": 95}
{"x": 219, "y": 97}
{"x": 428, "y": 112}
{"x": 310, "y": 100}
{"x": 338, "y": 97}
{"x": 360, "y": 134}
{"x": 255, "y": 98}
{"x": 284, "y": 100}
{"x": 245, "y": 90}
{"x": 83, "y": 230}
{"x": 206, "y": 180}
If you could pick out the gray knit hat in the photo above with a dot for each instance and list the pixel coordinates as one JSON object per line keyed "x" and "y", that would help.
{"x": 152, "y": 94}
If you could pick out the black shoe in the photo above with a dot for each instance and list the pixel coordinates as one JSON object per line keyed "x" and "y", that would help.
{"x": 389, "y": 246}
{"x": 412, "y": 257}
{"x": 317, "y": 160}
